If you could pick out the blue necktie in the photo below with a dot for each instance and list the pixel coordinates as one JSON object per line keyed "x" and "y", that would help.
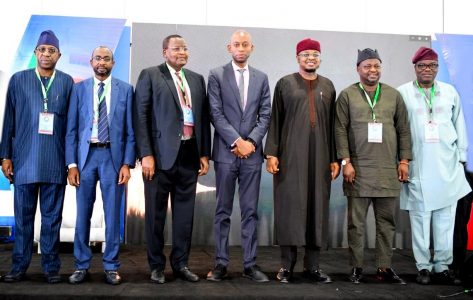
{"x": 103, "y": 120}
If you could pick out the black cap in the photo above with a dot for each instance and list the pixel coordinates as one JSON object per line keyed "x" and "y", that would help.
{"x": 367, "y": 54}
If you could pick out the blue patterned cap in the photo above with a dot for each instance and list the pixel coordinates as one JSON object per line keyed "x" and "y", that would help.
{"x": 48, "y": 38}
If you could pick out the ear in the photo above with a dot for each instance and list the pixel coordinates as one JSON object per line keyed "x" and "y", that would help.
{"x": 229, "y": 48}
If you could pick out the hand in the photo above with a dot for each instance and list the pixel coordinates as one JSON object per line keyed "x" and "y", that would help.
{"x": 73, "y": 176}
{"x": 272, "y": 164}
{"x": 147, "y": 167}
{"x": 244, "y": 148}
{"x": 7, "y": 169}
{"x": 124, "y": 175}
{"x": 204, "y": 165}
{"x": 403, "y": 172}
{"x": 335, "y": 170}
{"x": 349, "y": 173}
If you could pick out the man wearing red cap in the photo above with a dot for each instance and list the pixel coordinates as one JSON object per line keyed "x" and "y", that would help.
{"x": 373, "y": 140}
{"x": 33, "y": 159}
{"x": 300, "y": 151}
{"x": 437, "y": 179}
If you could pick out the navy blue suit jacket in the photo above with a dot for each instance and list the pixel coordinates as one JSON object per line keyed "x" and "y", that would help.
{"x": 158, "y": 117}
{"x": 229, "y": 118}
{"x": 36, "y": 157}
{"x": 80, "y": 118}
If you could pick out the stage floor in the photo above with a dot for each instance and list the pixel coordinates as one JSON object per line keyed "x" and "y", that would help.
{"x": 136, "y": 283}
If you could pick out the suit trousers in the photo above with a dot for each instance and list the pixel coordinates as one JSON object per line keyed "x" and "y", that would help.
{"x": 384, "y": 213}
{"x": 289, "y": 257}
{"x": 180, "y": 183}
{"x": 442, "y": 222}
{"x": 51, "y": 199}
{"x": 98, "y": 168}
{"x": 249, "y": 178}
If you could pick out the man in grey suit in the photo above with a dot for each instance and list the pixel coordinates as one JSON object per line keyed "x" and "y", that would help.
{"x": 240, "y": 108}
{"x": 172, "y": 130}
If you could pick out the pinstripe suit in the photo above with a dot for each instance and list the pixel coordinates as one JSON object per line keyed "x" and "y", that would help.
{"x": 38, "y": 162}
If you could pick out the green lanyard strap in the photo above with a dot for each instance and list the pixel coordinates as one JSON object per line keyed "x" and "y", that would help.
{"x": 44, "y": 89}
{"x": 368, "y": 99}
{"x": 430, "y": 102}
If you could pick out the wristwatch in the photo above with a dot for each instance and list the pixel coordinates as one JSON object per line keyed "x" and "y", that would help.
{"x": 345, "y": 162}
{"x": 252, "y": 141}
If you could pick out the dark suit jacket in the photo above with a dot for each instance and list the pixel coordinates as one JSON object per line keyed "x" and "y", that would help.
{"x": 79, "y": 124}
{"x": 229, "y": 118}
{"x": 158, "y": 118}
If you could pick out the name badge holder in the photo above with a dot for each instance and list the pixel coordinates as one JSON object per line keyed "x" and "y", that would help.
{"x": 375, "y": 129}
{"x": 431, "y": 130}
{"x": 46, "y": 120}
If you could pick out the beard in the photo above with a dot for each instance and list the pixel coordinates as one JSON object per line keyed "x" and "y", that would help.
{"x": 310, "y": 70}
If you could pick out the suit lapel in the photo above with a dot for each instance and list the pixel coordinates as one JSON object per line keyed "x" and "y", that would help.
{"x": 89, "y": 105}
{"x": 170, "y": 83}
{"x": 113, "y": 100}
{"x": 229, "y": 75}
{"x": 251, "y": 88}
{"x": 192, "y": 83}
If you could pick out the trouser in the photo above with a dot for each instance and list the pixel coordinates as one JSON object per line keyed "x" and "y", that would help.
{"x": 383, "y": 208}
{"x": 289, "y": 257}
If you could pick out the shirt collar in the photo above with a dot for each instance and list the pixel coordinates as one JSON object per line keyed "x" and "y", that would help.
{"x": 236, "y": 68}
{"x": 106, "y": 81}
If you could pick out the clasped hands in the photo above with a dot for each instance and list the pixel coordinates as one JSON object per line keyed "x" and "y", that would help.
{"x": 243, "y": 149}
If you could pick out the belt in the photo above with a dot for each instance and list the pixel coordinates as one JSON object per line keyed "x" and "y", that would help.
{"x": 100, "y": 145}
{"x": 188, "y": 141}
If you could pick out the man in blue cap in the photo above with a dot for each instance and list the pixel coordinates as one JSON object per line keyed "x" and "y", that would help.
{"x": 32, "y": 155}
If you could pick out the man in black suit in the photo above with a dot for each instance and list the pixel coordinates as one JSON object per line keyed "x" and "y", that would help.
{"x": 172, "y": 129}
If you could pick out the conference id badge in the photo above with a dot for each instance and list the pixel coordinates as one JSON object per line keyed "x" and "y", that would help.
{"x": 375, "y": 132}
{"x": 188, "y": 116}
{"x": 432, "y": 133}
{"x": 46, "y": 123}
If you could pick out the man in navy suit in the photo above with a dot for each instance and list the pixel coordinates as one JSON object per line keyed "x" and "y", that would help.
{"x": 32, "y": 154}
{"x": 172, "y": 127}
{"x": 100, "y": 146}
{"x": 240, "y": 108}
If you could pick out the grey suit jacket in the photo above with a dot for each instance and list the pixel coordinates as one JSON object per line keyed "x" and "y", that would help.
{"x": 229, "y": 118}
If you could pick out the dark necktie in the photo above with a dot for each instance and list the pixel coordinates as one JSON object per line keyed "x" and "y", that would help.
{"x": 103, "y": 135}
{"x": 241, "y": 87}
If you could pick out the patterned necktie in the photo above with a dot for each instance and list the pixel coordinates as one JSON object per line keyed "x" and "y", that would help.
{"x": 187, "y": 130}
{"x": 241, "y": 87}
{"x": 103, "y": 135}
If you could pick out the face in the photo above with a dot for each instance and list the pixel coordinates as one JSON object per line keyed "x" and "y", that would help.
{"x": 426, "y": 71}
{"x": 308, "y": 60}
{"x": 369, "y": 71}
{"x": 176, "y": 54}
{"x": 102, "y": 62}
{"x": 240, "y": 47}
{"x": 47, "y": 56}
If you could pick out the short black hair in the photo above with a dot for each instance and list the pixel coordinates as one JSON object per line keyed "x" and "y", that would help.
{"x": 169, "y": 37}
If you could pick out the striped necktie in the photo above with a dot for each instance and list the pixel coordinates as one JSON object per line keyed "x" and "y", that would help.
{"x": 103, "y": 135}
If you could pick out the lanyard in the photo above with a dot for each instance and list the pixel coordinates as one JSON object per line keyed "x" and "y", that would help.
{"x": 375, "y": 100}
{"x": 181, "y": 82}
{"x": 430, "y": 102}
{"x": 44, "y": 89}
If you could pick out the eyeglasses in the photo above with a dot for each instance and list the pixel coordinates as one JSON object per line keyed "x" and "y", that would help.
{"x": 179, "y": 49}
{"x": 432, "y": 66}
{"x": 44, "y": 49}
{"x": 105, "y": 58}
{"x": 369, "y": 67}
{"x": 307, "y": 55}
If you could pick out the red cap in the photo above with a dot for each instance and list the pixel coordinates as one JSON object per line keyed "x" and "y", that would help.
{"x": 307, "y": 44}
{"x": 424, "y": 53}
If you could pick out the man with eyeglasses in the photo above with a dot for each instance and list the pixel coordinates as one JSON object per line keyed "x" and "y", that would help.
{"x": 32, "y": 154}
{"x": 300, "y": 152}
{"x": 240, "y": 108}
{"x": 100, "y": 146}
{"x": 437, "y": 179}
{"x": 374, "y": 143}
{"x": 172, "y": 129}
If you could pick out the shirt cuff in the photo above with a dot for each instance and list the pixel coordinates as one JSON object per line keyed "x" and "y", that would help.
{"x": 69, "y": 166}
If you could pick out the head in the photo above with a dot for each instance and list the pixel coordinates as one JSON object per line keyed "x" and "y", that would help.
{"x": 368, "y": 66}
{"x": 426, "y": 65}
{"x": 308, "y": 55}
{"x": 47, "y": 50}
{"x": 175, "y": 51}
{"x": 102, "y": 62}
{"x": 240, "y": 47}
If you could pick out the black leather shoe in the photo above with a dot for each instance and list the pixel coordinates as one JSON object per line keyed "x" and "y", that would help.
{"x": 423, "y": 277}
{"x": 255, "y": 274}
{"x": 284, "y": 275}
{"x": 356, "y": 275}
{"x": 78, "y": 276}
{"x": 317, "y": 275}
{"x": 112, "y": 277}
{"x": 52, "y": 277}
{"x": 218, "y": 273}
{"x": 389, "y": 276}
{"x": 157, "y": 276}
{"x": 185, "y": 274}
{"x": 443, "y": 278}
{"x": 14, "y": 277}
